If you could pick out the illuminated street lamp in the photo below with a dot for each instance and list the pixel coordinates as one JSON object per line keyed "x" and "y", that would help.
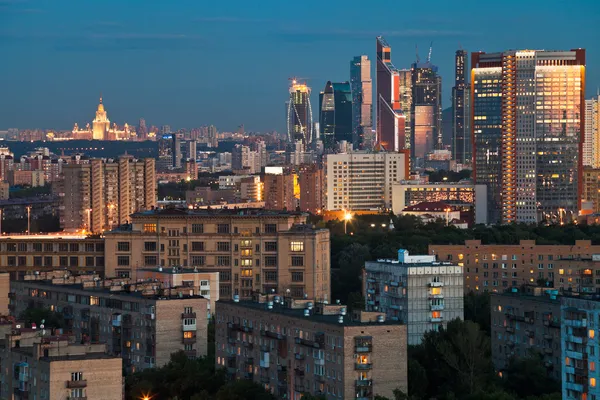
{"x": 447, "y": 216}
{"x": 347, "y": 217}
{"x": 28, "y": 219}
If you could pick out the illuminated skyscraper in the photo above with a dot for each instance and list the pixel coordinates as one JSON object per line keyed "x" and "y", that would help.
{"x": 362, "y": 102}
{"x": 335, "y": 113}
{"x": 527, "y": 127}
{"x": 327, "y": 115}
{"x": 299, "y": 114}
{"x": 426, "y": 124}
{"x": 461, "y": 135}
{"x": 390, "y": 117}
{"x": 591, "y": 144}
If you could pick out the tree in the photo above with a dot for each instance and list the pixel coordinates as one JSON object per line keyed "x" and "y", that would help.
{"x": 527, "y": 376}
{"x": 243, "y": 390}
{"x": 477, "y": 309}
{"x": 37, "y": 315}
{"x": 350, "y": 264}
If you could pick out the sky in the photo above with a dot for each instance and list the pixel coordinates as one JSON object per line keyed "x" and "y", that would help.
{"x": 199, "y": 62}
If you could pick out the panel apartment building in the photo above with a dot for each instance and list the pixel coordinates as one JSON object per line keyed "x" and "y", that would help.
{"x": 102, "y": 194}
{"x": 253, "y": 250}
{"x": 50, "y": 367}
{"x": 144, "y": 323}
{"x": 418, "y": 291}
{"x": 496, "y": 267}
{"x": 293, "y": 347}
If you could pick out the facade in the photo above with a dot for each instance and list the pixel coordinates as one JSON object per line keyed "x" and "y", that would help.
{"x": 22, "y": 254}
{"x": 246, "y": 161}
{"x": 426, "y": 112}
{"x": 591, "y": 187}
{"x": 515, "y": 147}
{"x": 299, "y": 114}
{"x": 418, "y": 291}
{"x": 526, "y": 321}
{"x": 311, "y": 181}
{"x": 4, "y": 288}
{"x": 461, "y": 110}
{"x": 363, "y": 181}
{"x": 144, "y": 323}
{"x": 101, "y": 129}
{"x": 496, "y": 267}
{"x": 50, "y": 367}
{"x": 176, "y": 150}
{"x": 335, "y": 114}
{"x": 101, "y": 195}
{"x": 26, "y": 178}
{"x": 297, "y": 347}
{"x": 279, "y": 191}
{"x": 580, "y": 378}
{"x": 252, "y": 250}
{"x": 463, "y": 195}
{"x": 362, "y": 102}
{"x": 391, "y": 119}
{"x": 591, "y": 144}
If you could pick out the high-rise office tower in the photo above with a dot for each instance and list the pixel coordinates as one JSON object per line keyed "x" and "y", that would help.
{"x": 335, "y": 113}
{"x": 405, "y": 93}
{"x": 362, "y": 102}
{"x": 461, "y": 134}
{"x": 527, "y": 121}
{"x": 426, "y": 124}
{"x": 165, "y": 129}
{"x": 142, "y": 131}
{"x": 390, "y": 117}
{"x": 591, "y": 144}
{"x": 101, "y": 195}
{"x": 176, "y": 150}
{"x": 191, "y": 150}
{"x": 299, "y": 114}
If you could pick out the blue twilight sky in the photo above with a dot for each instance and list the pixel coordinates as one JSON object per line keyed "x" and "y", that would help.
{"x": 189, "y": 63}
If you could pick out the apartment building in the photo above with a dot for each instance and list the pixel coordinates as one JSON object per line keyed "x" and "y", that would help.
{"x": 279, "y": 189}
{"x": 363, "y": 181}
{"x": 311, "y": 182}
{"x": 526, "y": 320}
{"x": 50, "y": 367}
{"x": 22, "y": 254}
{"x": 253, "y": 250}
{"x": 580, "y": 378}
{"x": 102, "y": 194}
{"x": 296, "y": 347}
{"x": 419, "y": 291}
{"x": 141, "y": 322}
{"x": 496, "y": 267}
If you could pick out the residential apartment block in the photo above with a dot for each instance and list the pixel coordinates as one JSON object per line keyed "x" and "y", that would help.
{"x": 294, "y": 347}
{"x": 102, "y": 194}
{"x": 525, "y": 321}
{"x": 142, "y": 322}
{"x": 253, "y": 250}
{"x": 52, "y": 368}
{"x": 422, "y": 293}
{"x": 496, "y": 267}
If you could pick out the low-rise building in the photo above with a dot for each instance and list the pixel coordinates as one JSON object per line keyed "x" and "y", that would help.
{"x": 580, "y": 376}
{"x": 34, "y": 366}
{"x": 142, "y": 322}
{"x": 295, "y": 347}
{"x": 4, "y": 190}
{"x": 418, "y": 291}
{"x": 525, "y": 321}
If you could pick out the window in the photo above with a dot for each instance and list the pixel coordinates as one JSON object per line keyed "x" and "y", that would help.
{"x": 198, "y": 260}
{"x": 173, "y": 232}
{"x": 436, "y": 290}
{"x": 223, "y": 261}
{"x": 63, "y": 261}
{"x": 150, "y": 228}
{"x": 150, "y": 261}
{"x": 123, "y": 261}
{"x": 197, "y": 246}
{"x": 188, "y": 335}
{"x": 197, "y": 228}
{"x": 270, "y": 276}
{"x": 297, "y": 246}
{"x": 246, "y": 262}
{"x": 76, "y": 376}
{"x": 122, "y": 246}
{"x": 89, "y": 261}
{"x": 270, "y": 228}
{"x": 47, "y": 261}
{"x": 592, "y": 382}
{"x": 63, "y": 247}
{"x": 11, "y": 247}
{"x": 73, "y": 261}
{"x": 246, "y": 273}
{"x": 150, "y": 246}
{"x": 224, "y": 276}
{"x": 223, "y": 228}
{"x": 37, "y": 247}
{"x": 37, "y": 261}
{"x": 270, "y": 246}
{"x": 223, "y": 246}
{"x": 297, "y": 276}
{"x": 592, "y": 333}
{"x": 94, "y": 301}
{"x": 270, "y": 261}
{"x": 297, "y": 261}
{"x": 49, "y": 247}
{"x": 23, "y": 247}
{"x": 89, "y": 247}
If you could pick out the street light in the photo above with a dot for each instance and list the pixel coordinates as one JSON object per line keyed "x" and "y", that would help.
{"x": 447, "y": 216}
{"x": 89, "y": 215}
{"x": 347, "y": 217}
{"x": 28, "y": 219}
{"x": 1, "y": 221}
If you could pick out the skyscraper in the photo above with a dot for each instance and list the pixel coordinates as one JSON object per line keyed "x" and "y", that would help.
{"x": 390, "y": 117}
{"x": 461, "y": 135}
{"x": 362, "y": 102}
{"x": 527, "y": 119}
{"x": 176, "y": 150}
{"x": 426, "y": 113}
{"x": 335, "y": 113}
{"x": 591, "y": 144}
{"x": 142, "y": 131}
{"x": 299, "y": 114}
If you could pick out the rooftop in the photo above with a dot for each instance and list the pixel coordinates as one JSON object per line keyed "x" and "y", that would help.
{"x": 231, "y": 212}
{"x": 432, "y": 206}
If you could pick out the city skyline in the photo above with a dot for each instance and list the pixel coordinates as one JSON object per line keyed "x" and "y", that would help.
{"x": 158, "y": 71}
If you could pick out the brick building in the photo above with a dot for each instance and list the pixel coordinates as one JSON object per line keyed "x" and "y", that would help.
{"x": 496, "y": 267}
{"x": 251, "y": 249}
{"x": 293, "y": 347}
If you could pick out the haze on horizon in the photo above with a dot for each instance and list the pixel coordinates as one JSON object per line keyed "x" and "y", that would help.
{"x": 191, "y": 63}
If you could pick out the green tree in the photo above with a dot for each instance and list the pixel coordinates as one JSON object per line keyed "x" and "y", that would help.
{"x": 37, "y": 315}
{"x": 477, "y": 309}
{"x": 346, "y": 278}
{"x": 527, "y": 376}
{"x": 243, "y": 390}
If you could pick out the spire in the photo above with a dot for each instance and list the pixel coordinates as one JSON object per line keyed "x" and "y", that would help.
{"x": 100, "y": 97}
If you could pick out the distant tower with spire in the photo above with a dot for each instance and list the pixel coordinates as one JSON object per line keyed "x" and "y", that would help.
{"x": 100, "y": 124}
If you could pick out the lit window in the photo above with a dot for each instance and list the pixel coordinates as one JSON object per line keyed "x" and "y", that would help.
{"x": 592, "y": 382}
{"x": 188, "y": 335}
{"x": 436, "y": 314}
{"x": 150, "y": 228}
{"x": 561, "y": 271}
{"x": 592, "y": 366}
{"x": 592, "y": 333}
{"x": 567, "y": 361}
{"x": 436, "y": 290}
{"x": 460, "y": 256}
{"x": 297, "y": 246}
{"x": 499, "y": 308}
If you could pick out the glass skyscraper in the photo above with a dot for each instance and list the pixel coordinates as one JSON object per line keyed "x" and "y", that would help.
{"x": 335, "y": 119}
{"x": 461, "y": 134}
{"x": 299, "y": 114}
{"x": 362, "y": 102}
{"x": 426, "y": 111}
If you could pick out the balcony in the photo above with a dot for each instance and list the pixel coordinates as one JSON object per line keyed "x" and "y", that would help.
{"x": 436, "y": 296}
{"x": 189, "y": 340}
{"x": 364, "y": 382}
{"x": 438, "y": 319}
{"x": 510, "y": 329}
{"x": 299, "y": 371}
{"x": 371, "y": 291}
{"x": 530, "y": 333}
{"x": 551, "y": 323}
{"x": 12, "y": 295}
{"x": 438, "y": 307}
{"x": 231, "y": 370}
{"x": 547, "y": 350}
{"x": 76, "y": 384}
{"x": 362, "y": 348}
{"x": 574, "y": 354}
{"x": 248, "y": 345}
{"x": 265, "y": 379}
{"x": 188, "y": 315}
{"x": 300, "y": 388}
{"x": 299, "y": 356}
{"x": 436, "y": 284}
{"x": 395, "y": 307}
{"x": 548, "y": 337}
{"x": 576, "y": 323}
{"x": 189, "y": 327}
{"x": 319, "y": 361}
{"x": 190, "y": 353}
{"x": 320, "y": 378}
{"x": 363, "y": 367}
{"x": 264, "y": 363}
{"x": 573, "y": 386}
{"x": 273, "y": 335}
{"x": 308, "y": 343}
{"x": 514, "y": 317}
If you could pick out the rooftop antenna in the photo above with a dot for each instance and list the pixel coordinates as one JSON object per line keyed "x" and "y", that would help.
{"x": 417, "y": 53}
{"x": 460, "y": 46}
{"x": 430, "y": 50}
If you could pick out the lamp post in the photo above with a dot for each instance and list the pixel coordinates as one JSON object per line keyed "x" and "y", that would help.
{"x": 1, "y": 221}
{"x": 447, "y": 216}
{"x": 28, "y": 220}
{"x": 347, "y": 218}
{"x": 89, "y": 215}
